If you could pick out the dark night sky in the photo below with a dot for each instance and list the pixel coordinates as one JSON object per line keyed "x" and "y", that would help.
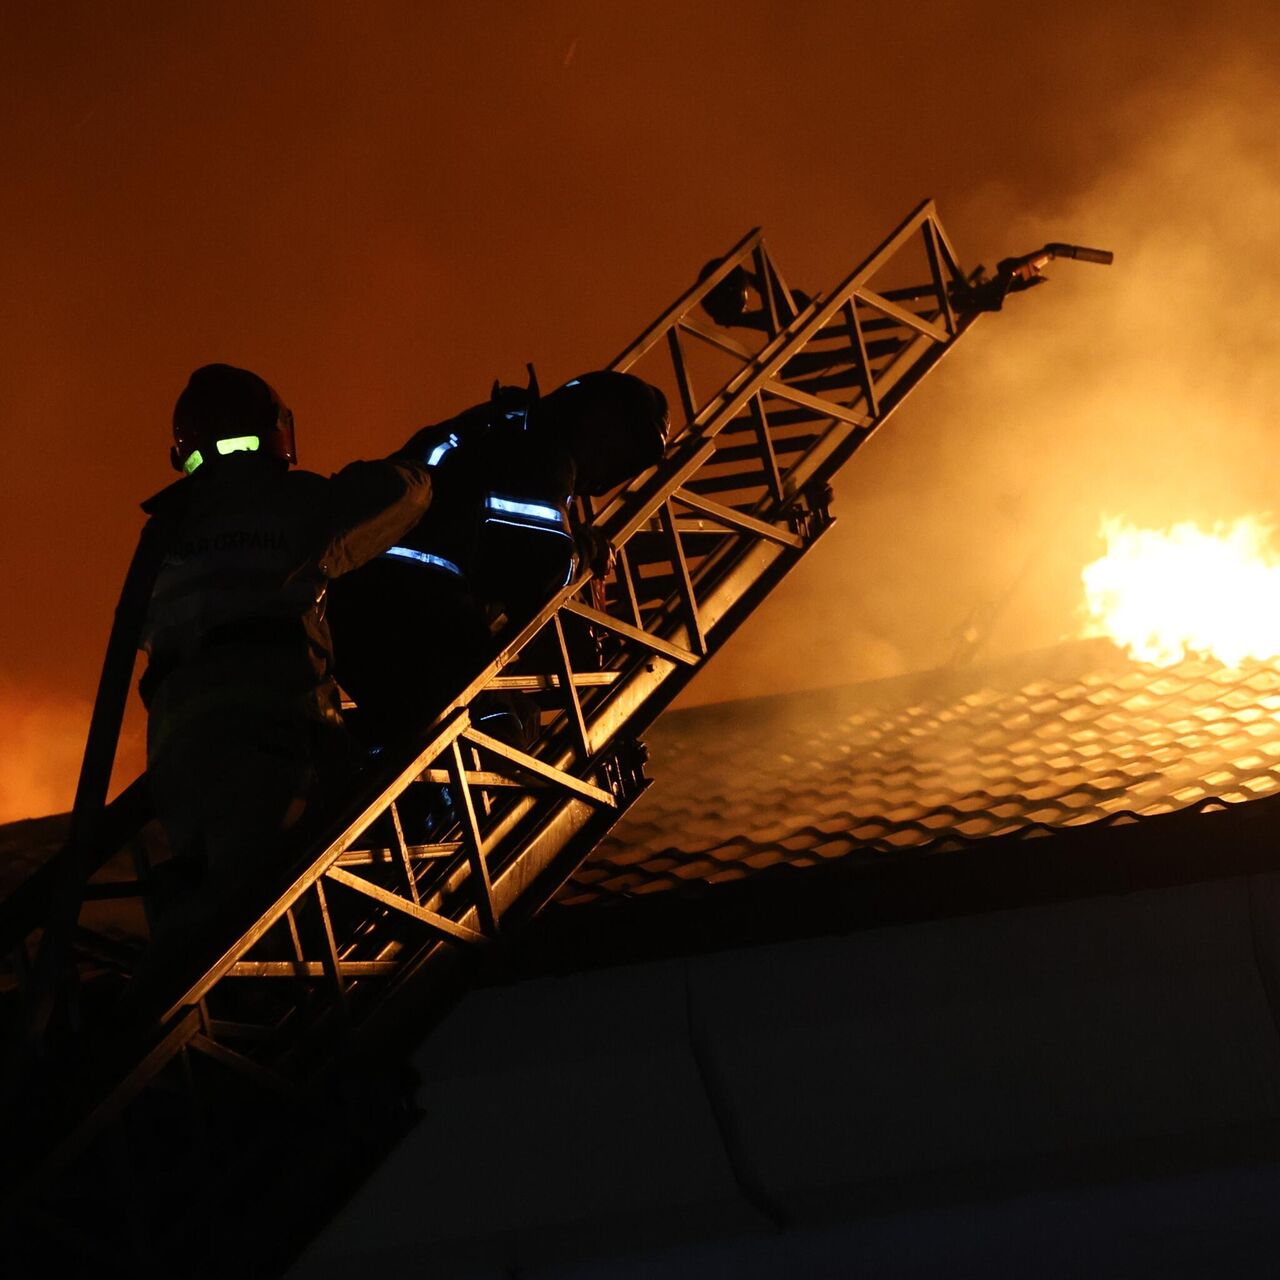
{"x": 383, "y": 206}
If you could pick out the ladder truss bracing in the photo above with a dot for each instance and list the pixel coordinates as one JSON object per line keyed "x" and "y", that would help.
{"x": 374, "y": 927}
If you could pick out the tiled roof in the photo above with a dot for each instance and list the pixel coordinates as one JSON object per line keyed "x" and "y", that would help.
{"x": 1068, "y": 736}
{"x": 928, "y": 762}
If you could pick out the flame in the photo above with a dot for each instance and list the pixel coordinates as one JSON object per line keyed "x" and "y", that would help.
{"x": 1163, "y": 594}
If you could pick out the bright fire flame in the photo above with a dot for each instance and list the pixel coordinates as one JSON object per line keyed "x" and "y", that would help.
{"x": 1163, "y": 594}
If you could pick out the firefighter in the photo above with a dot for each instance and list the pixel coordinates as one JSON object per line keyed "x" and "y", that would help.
{"x": 244, "y": 729}
{"x": 422, "y": 619}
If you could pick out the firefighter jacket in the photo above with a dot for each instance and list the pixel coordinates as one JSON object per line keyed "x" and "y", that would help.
{"x": 254, "y": 545}
{"x": 502, "y": 523}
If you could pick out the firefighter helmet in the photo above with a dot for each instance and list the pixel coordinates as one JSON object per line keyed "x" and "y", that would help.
{"x": 613, "y": 424}
{"x": 225, "y": 410}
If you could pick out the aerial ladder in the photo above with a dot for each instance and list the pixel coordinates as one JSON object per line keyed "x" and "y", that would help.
{"x": 215, "y": 1112}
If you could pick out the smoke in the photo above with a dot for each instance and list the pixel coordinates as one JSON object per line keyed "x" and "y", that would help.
{"x": 44, "y": 743}
{"x": 1146, "y": 390}
{"x": 419, "y": 199}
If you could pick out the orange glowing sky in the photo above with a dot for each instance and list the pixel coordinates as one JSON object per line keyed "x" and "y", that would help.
{"x": 383, "y": 206}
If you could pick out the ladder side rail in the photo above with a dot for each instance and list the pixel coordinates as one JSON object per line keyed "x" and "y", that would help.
{"x": 661, "y": 680}
{"x": 659, "y": 492}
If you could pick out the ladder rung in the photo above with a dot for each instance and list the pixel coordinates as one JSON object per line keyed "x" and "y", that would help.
{"x": 311, "y": 969}
{"x": 477, "y": 778}
{"x": 541, "y": 683}
{"x": 388, "y": 857}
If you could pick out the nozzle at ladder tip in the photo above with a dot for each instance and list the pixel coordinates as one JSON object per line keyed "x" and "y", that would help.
{"x": 1081, "y": 253}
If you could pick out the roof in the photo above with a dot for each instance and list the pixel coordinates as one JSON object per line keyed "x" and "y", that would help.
{"x": 1066, "y": 737}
